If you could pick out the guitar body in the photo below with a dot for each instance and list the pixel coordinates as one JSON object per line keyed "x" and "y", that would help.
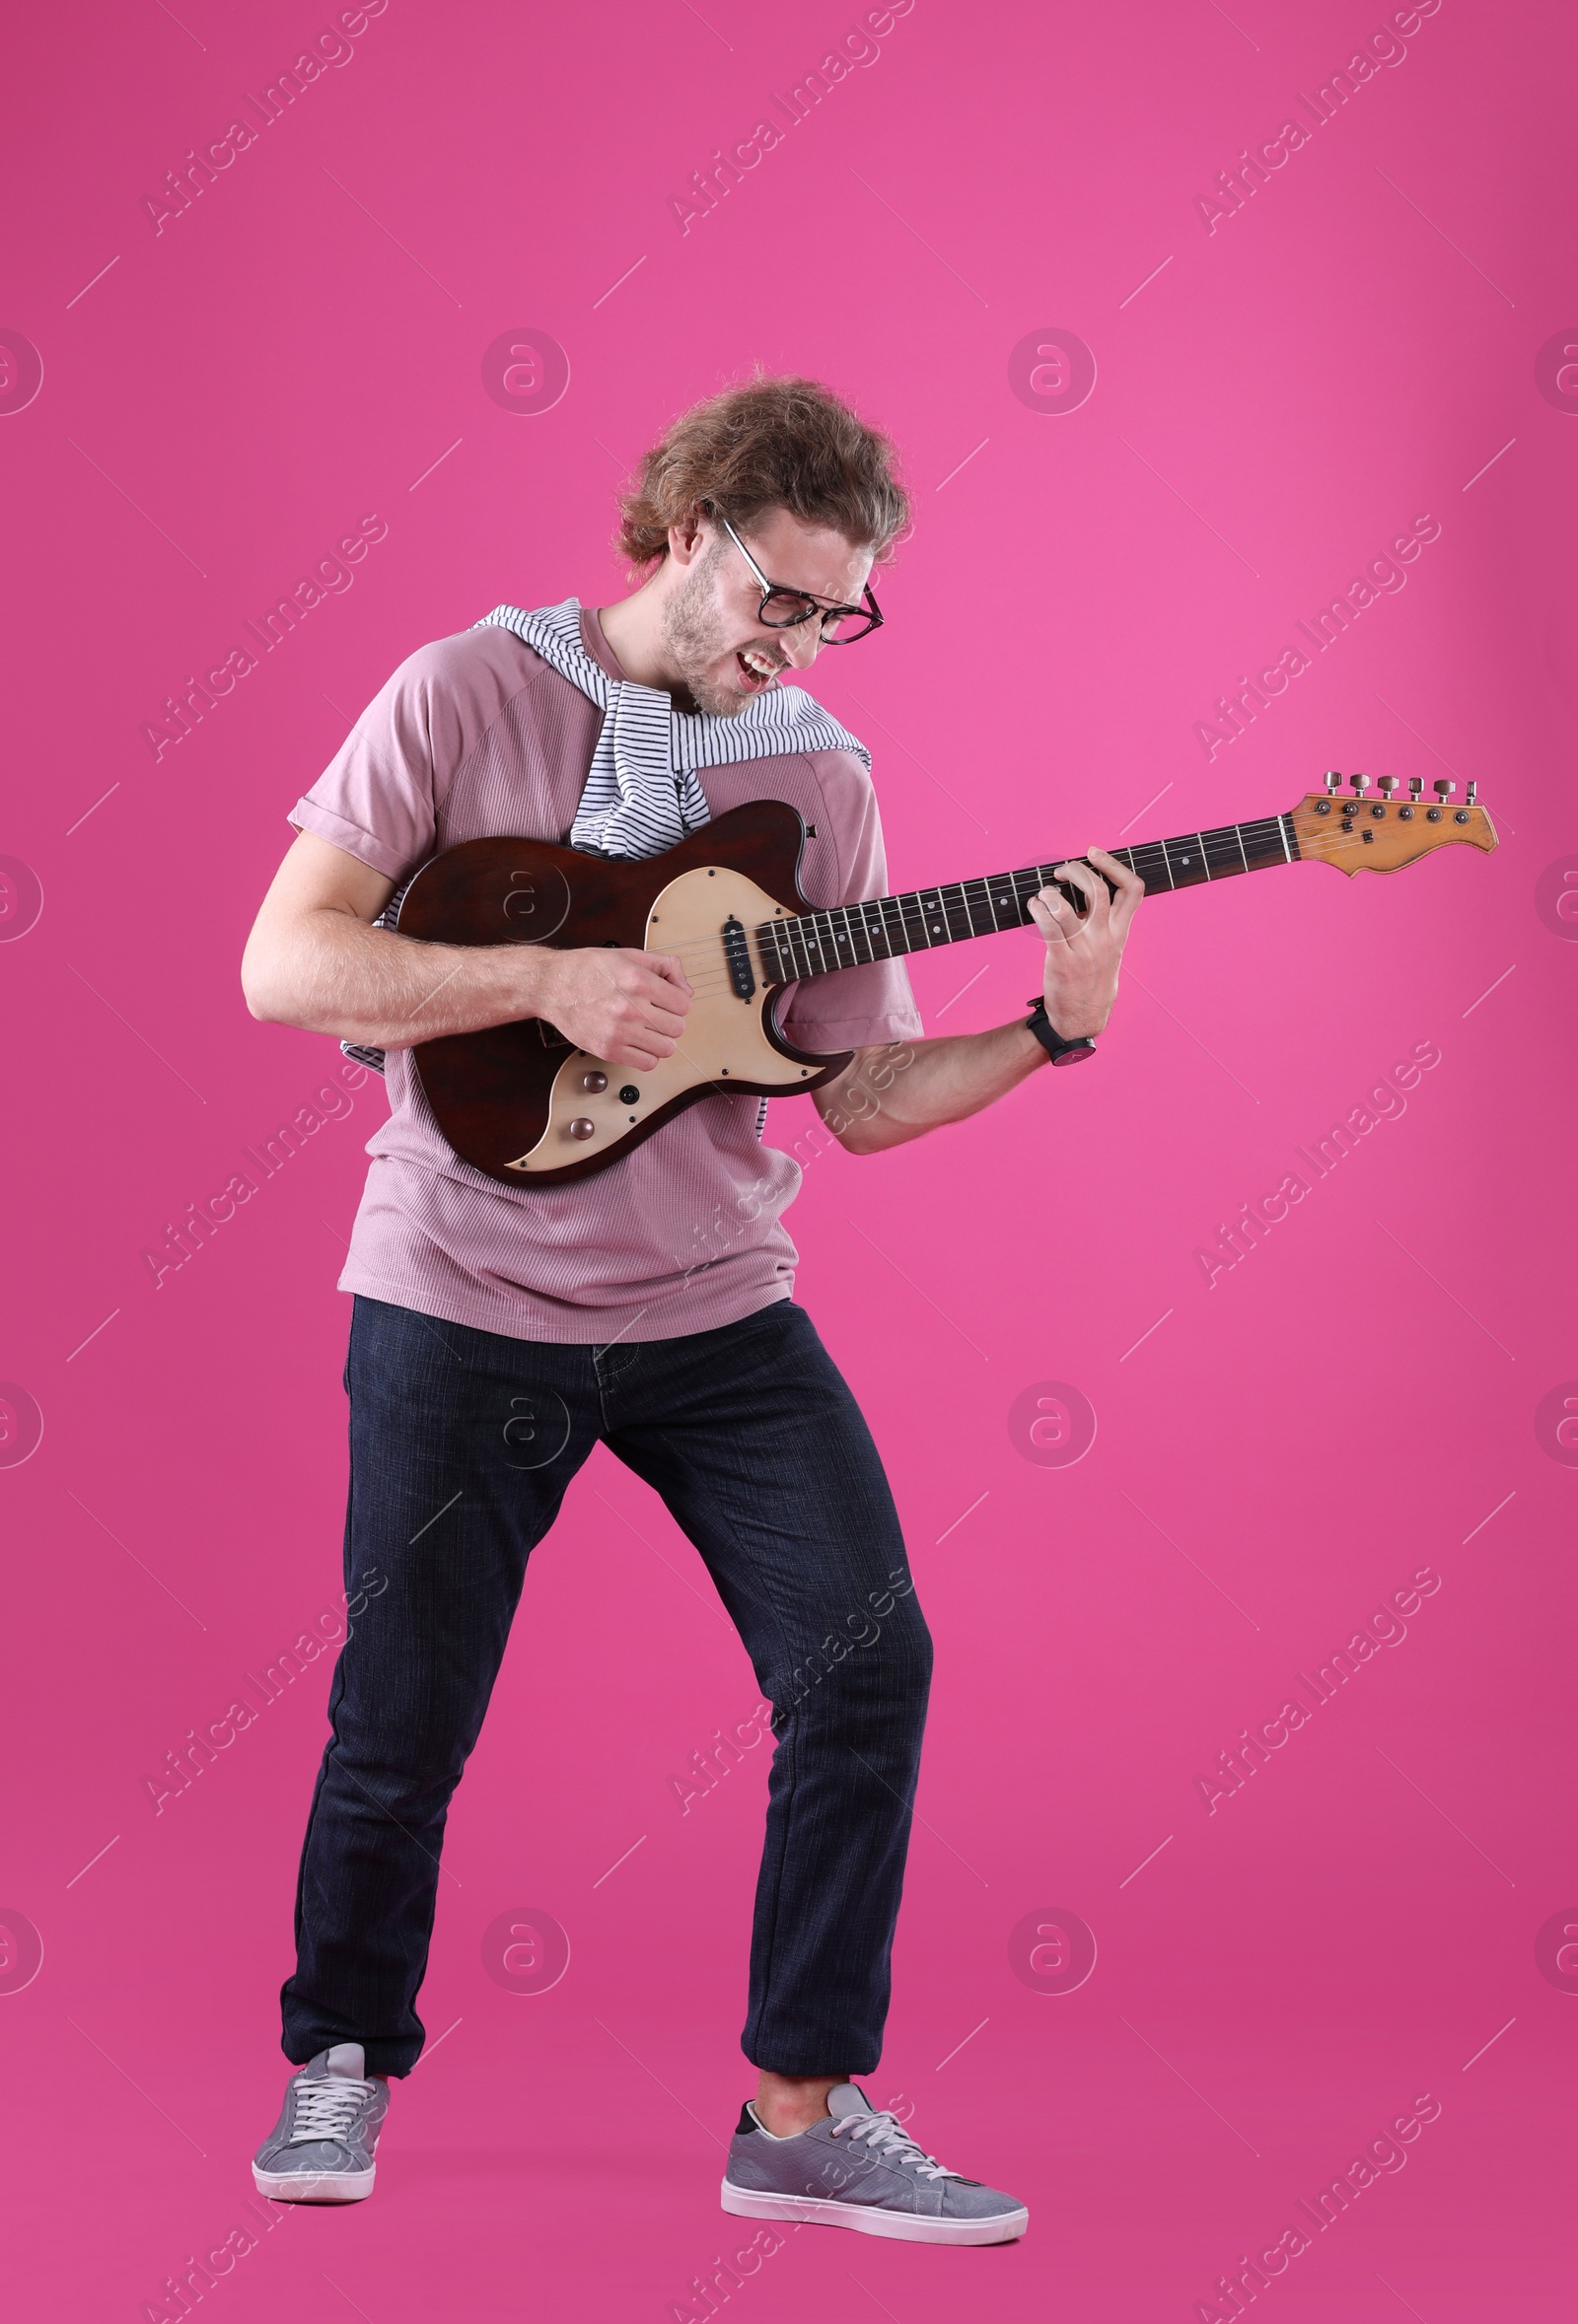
{"x": 518, "y": 1101}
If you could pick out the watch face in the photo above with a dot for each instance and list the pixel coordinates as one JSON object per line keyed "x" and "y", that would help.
{"x": 1086, "y": 1048}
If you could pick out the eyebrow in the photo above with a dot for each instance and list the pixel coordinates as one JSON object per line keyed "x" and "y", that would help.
{"x": 792, "y": 585}
{"x": 828, "y": 606}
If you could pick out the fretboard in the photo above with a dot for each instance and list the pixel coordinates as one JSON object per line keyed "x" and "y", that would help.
{"x": 850, "y": 934}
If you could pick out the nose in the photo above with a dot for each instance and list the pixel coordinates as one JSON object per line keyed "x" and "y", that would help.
{"x": 803, "y": 643}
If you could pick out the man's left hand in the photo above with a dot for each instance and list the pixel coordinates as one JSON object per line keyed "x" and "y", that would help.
{"x": 1084, "y": 949}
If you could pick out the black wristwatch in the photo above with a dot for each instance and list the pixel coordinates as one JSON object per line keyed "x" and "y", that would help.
{"x": 1060, "y": 1052}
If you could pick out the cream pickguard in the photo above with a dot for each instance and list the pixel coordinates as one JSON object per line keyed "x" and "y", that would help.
{"x": 723, "y": 1040}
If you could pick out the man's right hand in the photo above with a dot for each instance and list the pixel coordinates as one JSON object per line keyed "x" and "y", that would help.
{"x": 624, "y": 1006}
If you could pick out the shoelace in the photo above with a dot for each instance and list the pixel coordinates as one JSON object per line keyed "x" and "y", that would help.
{"x": 326, "y": 2109}
{"x": 885, "y": 2137}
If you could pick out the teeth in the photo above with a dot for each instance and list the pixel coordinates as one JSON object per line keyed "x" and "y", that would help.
{"x": 757, "y": 662}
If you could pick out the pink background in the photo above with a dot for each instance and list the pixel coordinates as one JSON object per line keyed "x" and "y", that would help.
{"x": 1353, "y": 1401}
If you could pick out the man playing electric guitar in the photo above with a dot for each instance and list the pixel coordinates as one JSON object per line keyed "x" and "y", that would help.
{"x": 615, "y": 1308}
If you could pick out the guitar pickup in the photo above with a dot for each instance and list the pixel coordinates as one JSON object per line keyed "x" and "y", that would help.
{"x": 736, "y": 951}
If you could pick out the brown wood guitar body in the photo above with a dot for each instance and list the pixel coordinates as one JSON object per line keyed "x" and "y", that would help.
{"x": 518, "y": 1100}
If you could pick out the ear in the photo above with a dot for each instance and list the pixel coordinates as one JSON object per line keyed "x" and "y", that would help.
{"x": 688, "y": 537}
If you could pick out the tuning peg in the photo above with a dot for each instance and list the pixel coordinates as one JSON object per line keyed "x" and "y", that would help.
{"x": 1442, "y": 788}
{"x": 1361, "y": 784}
{"x": 1473, "y": 792}
{"x": 1415, "y": 786}
{"x": 1333, "y": 782}
{"x": 1387, "y": 784}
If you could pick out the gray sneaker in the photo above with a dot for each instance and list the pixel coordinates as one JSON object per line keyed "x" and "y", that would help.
{"x": 859, "y": 2168}
{"x": 321, "y": 2149}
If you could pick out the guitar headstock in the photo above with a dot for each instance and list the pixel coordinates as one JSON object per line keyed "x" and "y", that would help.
{"x": 1362, "y": 834}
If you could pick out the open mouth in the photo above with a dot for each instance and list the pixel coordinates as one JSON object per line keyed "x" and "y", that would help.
{"x": 755, "y": 668}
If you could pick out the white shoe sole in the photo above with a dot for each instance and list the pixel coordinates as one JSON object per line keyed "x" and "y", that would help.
{"x": 315, "y": 2187}
{"x": 869, "y": 2219}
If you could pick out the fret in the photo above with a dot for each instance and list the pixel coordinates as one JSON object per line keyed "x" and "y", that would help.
{"x": 1238, "y": 833}
{"x": 1187, "y": 866}
{"x": 969, "y": 908}
{"x": 1222, "y": 851}
{"x": 1281, "y": 833}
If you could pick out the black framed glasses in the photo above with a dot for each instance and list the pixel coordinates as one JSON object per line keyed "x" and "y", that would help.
{"x": 787, "y": 608}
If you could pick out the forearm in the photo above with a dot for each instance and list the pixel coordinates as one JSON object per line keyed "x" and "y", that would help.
{"x": 338, "y": 975}
{"x": 890, "y": 1096}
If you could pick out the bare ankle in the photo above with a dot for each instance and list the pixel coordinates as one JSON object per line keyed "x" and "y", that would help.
{"x": 787, "y": 2104}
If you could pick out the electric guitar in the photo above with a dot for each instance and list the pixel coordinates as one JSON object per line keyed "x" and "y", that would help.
{"x": 520, "y": 1102}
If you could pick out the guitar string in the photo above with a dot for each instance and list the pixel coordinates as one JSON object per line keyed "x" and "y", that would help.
{"x": 910, "y": 903}
{"x": 1228, "y": 847}
{"x": 715, "y": 978}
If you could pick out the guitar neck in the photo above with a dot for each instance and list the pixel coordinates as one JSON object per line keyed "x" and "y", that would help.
{"x": 811, "y": 943}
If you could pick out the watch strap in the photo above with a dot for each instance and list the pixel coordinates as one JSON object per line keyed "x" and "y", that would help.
{"x": 1059, "y": 1050}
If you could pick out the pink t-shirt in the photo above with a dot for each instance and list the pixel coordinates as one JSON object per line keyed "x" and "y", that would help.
{"x": 477, "y": 736}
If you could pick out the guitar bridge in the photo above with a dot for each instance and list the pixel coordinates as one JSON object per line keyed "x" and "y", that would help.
{"x": 736, "y": 951}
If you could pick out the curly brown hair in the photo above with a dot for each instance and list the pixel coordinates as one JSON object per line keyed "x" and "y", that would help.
{"x": 787, "y": 443}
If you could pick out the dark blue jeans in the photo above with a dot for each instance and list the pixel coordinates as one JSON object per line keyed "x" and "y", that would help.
{"x": 463, "y": 1443}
